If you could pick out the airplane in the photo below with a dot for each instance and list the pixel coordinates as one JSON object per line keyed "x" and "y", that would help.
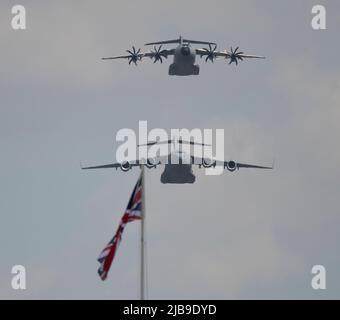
{"x": 178, "y": 164}
{"x": 184, "y": 55}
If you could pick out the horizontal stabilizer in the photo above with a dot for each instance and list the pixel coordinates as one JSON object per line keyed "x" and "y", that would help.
{"x": 172, "y": 141}
{"x": 180, "y": 40}
{"x": 199, "y": 42}
{"x": 163, "y": 42}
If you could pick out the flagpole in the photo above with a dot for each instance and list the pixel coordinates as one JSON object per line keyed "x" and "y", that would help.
{"x": 142, "y": 240}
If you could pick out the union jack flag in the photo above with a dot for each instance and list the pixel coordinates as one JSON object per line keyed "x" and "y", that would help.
{"x": 133, "y": 212}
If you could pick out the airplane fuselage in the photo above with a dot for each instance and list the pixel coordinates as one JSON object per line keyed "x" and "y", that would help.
{"x": 184, "y": 61}
{"x": 177, "y": 172}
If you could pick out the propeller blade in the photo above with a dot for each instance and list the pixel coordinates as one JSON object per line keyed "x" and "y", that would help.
{"x": 158, "y": 54}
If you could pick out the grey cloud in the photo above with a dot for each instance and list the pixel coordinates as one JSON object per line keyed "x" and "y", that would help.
{"x": 245, "y": 235}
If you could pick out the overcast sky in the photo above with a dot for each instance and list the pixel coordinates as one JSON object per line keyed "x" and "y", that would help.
{"x": 249, "y": 234}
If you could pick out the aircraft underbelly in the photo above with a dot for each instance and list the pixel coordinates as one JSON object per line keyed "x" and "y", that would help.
{"x": 183, "y": 69}
{"x": 177, "y": 174}
{"x": 180, "y": 59}
{"x": 183, "y": 65}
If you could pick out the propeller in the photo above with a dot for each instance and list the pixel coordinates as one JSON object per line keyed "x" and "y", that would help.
{"x": 158, "y": 54}
{"x": 134, "y": 55}
{"x": 234, "y": 55}
{"x": 210, "y": 53}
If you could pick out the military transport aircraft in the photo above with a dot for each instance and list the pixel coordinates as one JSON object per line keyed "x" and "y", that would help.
{"x": 184, "y": 55}
{"x": 178, "y": 164}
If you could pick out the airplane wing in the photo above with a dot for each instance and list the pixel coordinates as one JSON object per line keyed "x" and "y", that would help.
{"x": 105, "y": 166}
{"x": 251, "y": 166}
{"x": 136, "y": 55}
{"x": 150, "y": 54}
{"x": 179, "y": 40}
{"x": 230, "y": 165}
{"x": 128, "y": 165}
{"x": 233, "y": 55}
{"x": 116, "y": 57}
{"x": 159, "y": 52}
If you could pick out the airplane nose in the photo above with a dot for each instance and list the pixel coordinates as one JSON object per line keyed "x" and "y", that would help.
{"x": 185, "y": 51}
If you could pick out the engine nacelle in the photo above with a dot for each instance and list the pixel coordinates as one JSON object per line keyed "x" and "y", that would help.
{"x": 208, "y": 163}
{"x": 231, "y": 166}
{"x": 125, "y": 166}
{"x": 151, "y": 163}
